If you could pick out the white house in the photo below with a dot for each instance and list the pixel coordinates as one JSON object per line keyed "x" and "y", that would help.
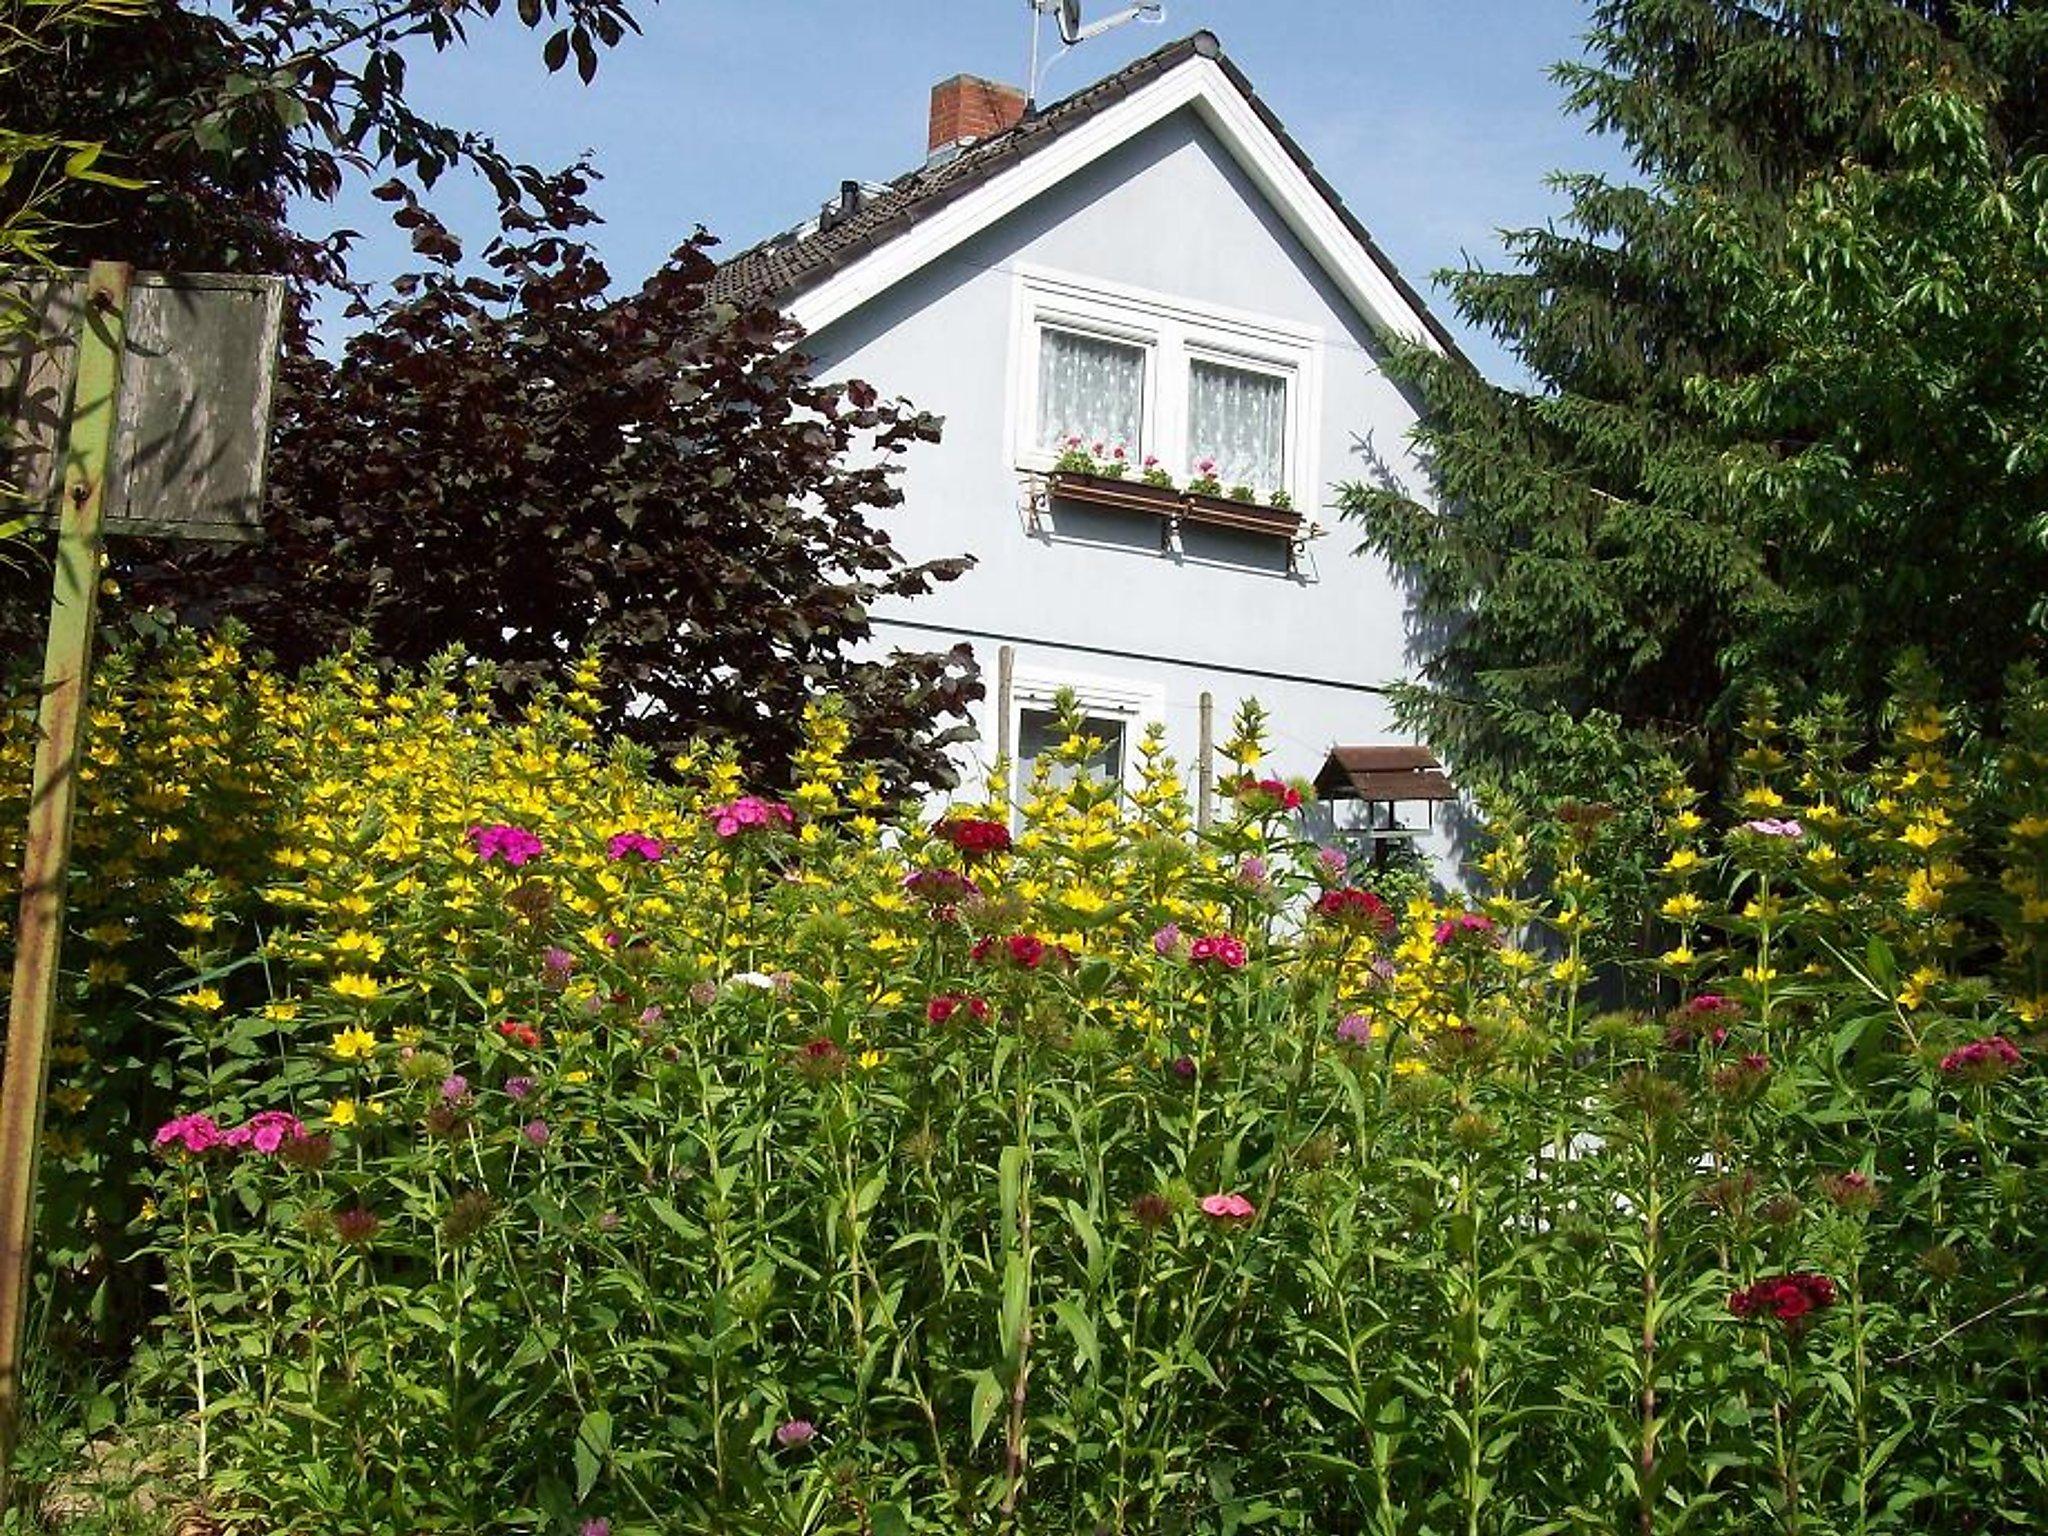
{"x": 1152, "y": 265}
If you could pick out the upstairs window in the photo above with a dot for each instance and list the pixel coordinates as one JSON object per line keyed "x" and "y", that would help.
{"x": 1237, "y": 419}
{"x": 1092, "y": 388}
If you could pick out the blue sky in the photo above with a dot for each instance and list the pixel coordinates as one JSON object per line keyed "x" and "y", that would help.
{"x": 1435, "y": 119}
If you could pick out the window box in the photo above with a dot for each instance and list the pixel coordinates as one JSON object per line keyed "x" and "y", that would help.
{"x": 1173, "y": 507}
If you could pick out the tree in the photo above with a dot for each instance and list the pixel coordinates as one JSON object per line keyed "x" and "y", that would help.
{"x": 682, "y": 495}
{"x": 526, "y": 468}
{"x": 1602, "y": 540}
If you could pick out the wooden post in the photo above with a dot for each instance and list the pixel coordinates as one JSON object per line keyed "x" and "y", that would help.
{"x": 61, "y": 724}
{"x": 1006, "y": 693}
{"x": 1205, "y": 772}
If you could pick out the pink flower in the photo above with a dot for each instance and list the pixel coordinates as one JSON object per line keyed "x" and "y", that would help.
{"x": 1982, "y": 1061}
{"x": 1118, "y": 453}
{"x": 1228, "y": 1208}
{"x": 634, "y": 845}
{"x": 795, "y": 1434}
{"x": 1166, "y": 941}
{"x": 1354, "y": 1029}
{"x": 537, "y": 1132}
{"x": 1206, "y": 466}
{"x": 1770, "y": 826}
{"x": 1151, "y": 461}
{"x": 191, "y": 1134}
{"x": 266, "y": 1132}
{"x": 746, "y": 813}
{"x": 1218, "y": 949}
{"x": 1466, "y": 927}
{"x": 509, "y": 845}
{"x": 1332, "y": 862}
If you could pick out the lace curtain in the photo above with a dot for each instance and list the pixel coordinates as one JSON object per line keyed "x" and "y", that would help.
{"x": 1091, "y": 389}
{"x": 1239, "y": 419}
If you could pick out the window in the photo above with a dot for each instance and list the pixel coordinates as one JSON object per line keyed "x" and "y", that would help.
{"x": 1038, "y": 735}
{"x": 1092, "y": 388}
{"x": 1237, "y": 418}
{"x": 1166, "y": 378}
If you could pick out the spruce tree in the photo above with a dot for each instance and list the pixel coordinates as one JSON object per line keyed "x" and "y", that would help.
{"x": 1613, "y": 538}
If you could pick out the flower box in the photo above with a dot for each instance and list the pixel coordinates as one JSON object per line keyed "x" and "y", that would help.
{"x": 1174, "y": 505}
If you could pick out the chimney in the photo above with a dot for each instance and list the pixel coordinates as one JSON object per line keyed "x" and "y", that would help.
{"x": 967, "y": 108}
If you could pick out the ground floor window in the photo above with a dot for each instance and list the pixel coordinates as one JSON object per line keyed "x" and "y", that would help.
{"x": 1039, "y": 735}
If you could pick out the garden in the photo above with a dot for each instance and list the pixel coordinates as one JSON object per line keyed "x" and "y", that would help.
{"x": 469, "y": 1127}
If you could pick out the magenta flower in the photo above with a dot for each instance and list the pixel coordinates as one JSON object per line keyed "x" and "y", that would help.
{"x": 597, "y": 1527}
{"x": 1982, "y": 1061}
{"x": 517, "y": 1088}
{"x": 266, "y": 1132}
{"x": 1252, "y": 873}
{"x": 634, "y": 845}
{"x": 558, "y": 963}
{"x": 1354, "y": 1029}
{"x": 1332, "y": 862}
{"x": 505, "y": 844}
{"x": 454, "y": 1086}
{"x": 795, "y": 1434}
{"x": 191, "y": 1134}
{"x": 1228, "y": 1208}
{"x": 1184, "y": 1068}
{"x": 1466, "y": 927}
{"x": 1218, "y": 949}
{"x": 536, "y": 1132}
{"x": 746, "y": 813}
{"x": 1166, "y": 941}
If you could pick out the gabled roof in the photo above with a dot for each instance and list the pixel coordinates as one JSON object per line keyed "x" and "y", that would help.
{"x": 789, "y": 268}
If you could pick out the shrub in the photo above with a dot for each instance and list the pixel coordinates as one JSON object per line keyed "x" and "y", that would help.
{"x": 547, "y": 1148}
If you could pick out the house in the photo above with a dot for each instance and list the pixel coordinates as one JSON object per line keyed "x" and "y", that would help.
{"x": 1149, "y": 274}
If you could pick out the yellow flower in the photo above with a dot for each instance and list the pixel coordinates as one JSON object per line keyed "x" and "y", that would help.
{"x": 869, "y": 1060}
{"x": 202, "y": 1000}
{"x": 1681, "y": 860}
{"x": 1922, "y": 835}
{"x": 343, "y": 1112}
{"x": 2030, "y": 827}
{"x": 282, "y": 1012}
{"x": 1683, "y": 908}
{"x": 1914, "y": 993}
{"x": 1682, "y": 955}
{"x": 354, "y": 1044}
{"x": 356, "y": 987}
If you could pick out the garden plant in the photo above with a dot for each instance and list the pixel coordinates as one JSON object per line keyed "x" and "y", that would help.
{"x": 522, "y": 1140}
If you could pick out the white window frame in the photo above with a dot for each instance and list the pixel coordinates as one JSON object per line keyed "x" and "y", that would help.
{"x": 1174, "y": 332}
{"x": 1134, "y": 705}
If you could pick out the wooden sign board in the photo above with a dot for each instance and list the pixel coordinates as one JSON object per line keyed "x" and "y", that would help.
{"x": 197, "y": 380}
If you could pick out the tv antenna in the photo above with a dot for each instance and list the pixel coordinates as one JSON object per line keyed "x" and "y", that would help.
{"x": 1073, "y": 33}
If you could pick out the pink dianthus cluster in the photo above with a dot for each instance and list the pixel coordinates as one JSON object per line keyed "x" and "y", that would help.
{"x": 746, "y": 813}
{"x": 634, "y": 845}
{"x": 1218, "y": 949}
{"x": 506, "y": 844}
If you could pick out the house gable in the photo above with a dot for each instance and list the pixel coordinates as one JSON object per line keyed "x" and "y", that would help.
{"x": 824, "y": 276}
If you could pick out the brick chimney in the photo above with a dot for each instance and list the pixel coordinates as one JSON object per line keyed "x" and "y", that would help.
{"x": 967, "y": 108}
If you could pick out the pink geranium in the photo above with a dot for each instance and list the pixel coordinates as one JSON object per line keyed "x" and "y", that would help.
{"x": 747, "y": 813}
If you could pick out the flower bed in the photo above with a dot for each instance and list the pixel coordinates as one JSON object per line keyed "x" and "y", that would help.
{"x": 548, "y": 1147}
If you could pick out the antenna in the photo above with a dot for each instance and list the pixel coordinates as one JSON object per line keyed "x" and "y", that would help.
{"x": 1073, "y": 33}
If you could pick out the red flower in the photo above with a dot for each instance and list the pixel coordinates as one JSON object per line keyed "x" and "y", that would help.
{"x": 1466, "y": 927}
{"x": 1027, "y": 950}
{"x": 518, "y": 1033}
{"x": 974, "y": 836}
{"x": 942, "y": 1008}
{"x": 1355, "y": 909}
{"x": 1266, "y": 794}
{"x": 1982, "y": 1061}
{"x": 1790, "y": 1299}
{"x": 1218, "y": 949}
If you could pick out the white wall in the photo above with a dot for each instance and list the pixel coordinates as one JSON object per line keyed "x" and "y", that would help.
{"x": 1169, "y": 213}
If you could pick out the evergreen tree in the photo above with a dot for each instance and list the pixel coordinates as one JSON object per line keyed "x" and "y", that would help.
{"x": 1635, "y": 533}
